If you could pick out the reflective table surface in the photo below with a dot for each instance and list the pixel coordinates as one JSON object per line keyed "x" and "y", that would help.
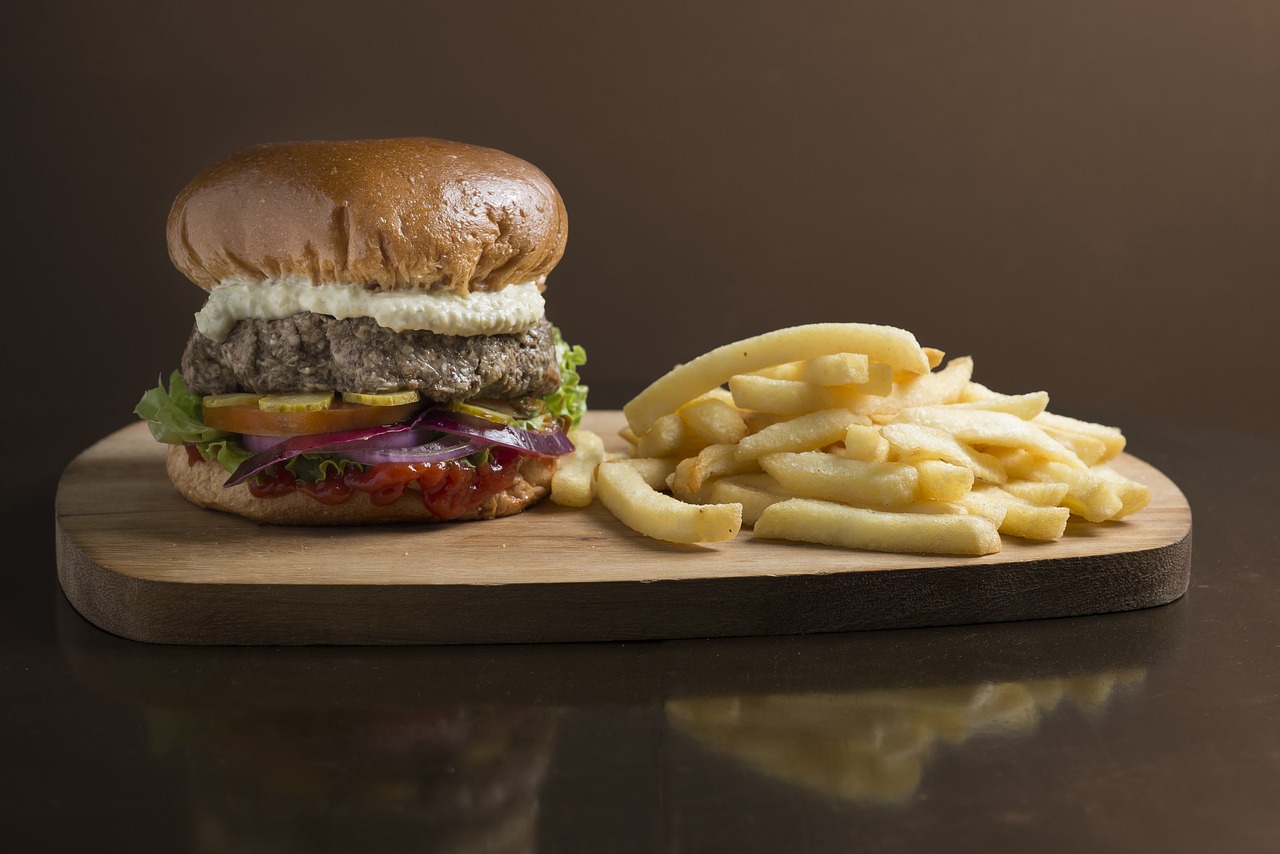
{"x": 1150, "y": 730}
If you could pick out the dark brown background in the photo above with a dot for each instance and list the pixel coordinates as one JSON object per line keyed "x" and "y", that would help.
{"x": 1083, "y": 196}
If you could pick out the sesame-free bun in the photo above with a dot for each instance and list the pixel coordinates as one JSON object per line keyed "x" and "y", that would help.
{"x": 388, "y": 213}
{"x": 201, "y": 483}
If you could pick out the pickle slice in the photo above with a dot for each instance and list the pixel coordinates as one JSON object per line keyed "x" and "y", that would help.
{"x": 300, "y": 402}
{"x": 482, "y": 412}
{"x": 382, "y": 398}
{"x": 232, "y": 398}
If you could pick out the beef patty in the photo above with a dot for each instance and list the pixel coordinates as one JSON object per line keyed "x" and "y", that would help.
{"x": 316, "y": 352}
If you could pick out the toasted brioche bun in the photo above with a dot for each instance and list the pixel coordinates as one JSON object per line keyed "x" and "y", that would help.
{"x": 201, "y": 483}
{"x": 387, "y": 213}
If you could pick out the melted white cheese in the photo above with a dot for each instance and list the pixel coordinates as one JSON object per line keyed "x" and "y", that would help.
{"x": 515, "y": 308}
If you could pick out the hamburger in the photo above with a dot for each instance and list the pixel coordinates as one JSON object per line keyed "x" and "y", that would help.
{"x": 374, "y": 346}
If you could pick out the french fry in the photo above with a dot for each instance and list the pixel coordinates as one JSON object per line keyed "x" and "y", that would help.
{"x": 1025, "y": 519}
{"x": 1110, "y": 436}
{"x": 804, "y": 433}
{"x": 975, "y": 391}
{"x": 1035, "y": 523}
{"x": 1089, "y": 495}
{"x": 814, "y": 474}
{"x": 714, "y": 421}
{"x": 934, "y": 356}
{"x": 865, "y": 442}
{"x": 916, "y": 442}
{"x": 978, "y": 427}
{"x": 669, "y": 436}
{"x": 711, "y": 462}
{"x": 941, "y": 481}
{"x": 719, "y": 393}
{"x": 836, "y": 524}
{"x": 1090, "y": 449}
{"x": 835, "y": 369}
{"x": 1045, "y": 493}
{"x": 1133, "y": 495}
{"x": 753, "y": 492}
{"x": 655, "y": 471}
{"x": 979, "y": 503}
{"x": 931, "y": 389}
{"x": 757, "y": 421}
{"x": 894, "y": 347}
{"x": 879, "y": 380}
{"x": 791, "y": 397}
{"x": 572, "y": 483}
{"x": 1025, "y": 406}
{"x": 640, "y": 507}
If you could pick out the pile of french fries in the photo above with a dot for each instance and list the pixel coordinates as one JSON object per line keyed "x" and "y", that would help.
{"x": 873, "y": 745}
{"x": 851, "y": 435}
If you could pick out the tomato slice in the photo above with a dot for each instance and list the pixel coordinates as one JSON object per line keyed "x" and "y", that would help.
{"x": 248, "y": 418}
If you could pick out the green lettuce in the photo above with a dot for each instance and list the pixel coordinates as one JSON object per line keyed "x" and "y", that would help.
{"x": 314, "y": 468}
{"x": 173, "y": 416}
{"x": 569, "y": 402}
{"x": 228, "y": 452}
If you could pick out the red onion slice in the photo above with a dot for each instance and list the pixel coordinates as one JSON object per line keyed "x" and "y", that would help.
{"x": 258, "y": 444}
{"x": 326, "y": 443}
{"x": 387, "y": 439}
{"x": 408, "y": 436}
{"x": 439, "y": 451}
{"x": 553, "y": 444}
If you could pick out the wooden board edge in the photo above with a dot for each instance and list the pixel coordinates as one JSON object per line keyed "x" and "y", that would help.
{"x": 343, "y": 677}
{"x": 228, "y": 614}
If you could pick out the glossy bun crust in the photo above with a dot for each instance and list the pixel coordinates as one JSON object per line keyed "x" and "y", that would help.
{"x": 390, "y": 213}
{"x": 201, "y": 484}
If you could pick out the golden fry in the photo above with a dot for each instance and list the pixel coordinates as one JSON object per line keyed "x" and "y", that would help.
{"x": 572, "y": 483}
{"x": 859, "y": 528}
{"x": 894, "y": 347}
{"x": 814, "y": 474}
{"x": 714, "y": 420}
{"x": 655, "y": 514}
{"x": 807, "y": 432}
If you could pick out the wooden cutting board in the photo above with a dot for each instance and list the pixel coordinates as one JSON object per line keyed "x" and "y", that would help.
{"x": 138, "y": 560}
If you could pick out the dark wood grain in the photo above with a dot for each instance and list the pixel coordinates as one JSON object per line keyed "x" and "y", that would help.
{"x": 137, "y": 560}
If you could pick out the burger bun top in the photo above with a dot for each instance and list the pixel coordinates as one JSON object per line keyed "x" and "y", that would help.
{"x": 387, "y": 213}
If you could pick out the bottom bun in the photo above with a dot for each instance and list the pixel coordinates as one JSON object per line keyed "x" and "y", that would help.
{"x": 201, "y": 483}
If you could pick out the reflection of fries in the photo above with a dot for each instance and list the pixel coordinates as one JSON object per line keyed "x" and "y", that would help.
{"x": 867, "y": 446}
{"x": 871, "y": 746}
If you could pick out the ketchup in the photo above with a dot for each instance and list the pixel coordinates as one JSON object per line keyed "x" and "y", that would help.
{"x": 448, "y": 489}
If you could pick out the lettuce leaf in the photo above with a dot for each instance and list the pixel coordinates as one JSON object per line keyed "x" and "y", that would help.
{"x": 228, "y": 452}
{"x": 174, "y": 418}
{"x": 313, "y": 468}
{"x": 174, "y": 415}
{"x": 569, "y": 402}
